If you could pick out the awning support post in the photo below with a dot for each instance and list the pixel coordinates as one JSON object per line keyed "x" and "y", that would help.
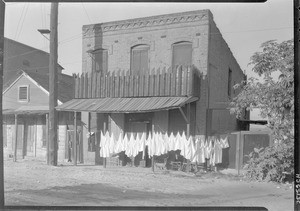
{"x": 16, "y": 137}
{"x": 183, "y": 115}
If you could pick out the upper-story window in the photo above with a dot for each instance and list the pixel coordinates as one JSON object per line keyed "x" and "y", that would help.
{"x": 100, "y": 60}
{"x": 229, "y": 83}
{"x": 140, "y": 59}
{"x": 23, "y": 93}
{"x": 181, "y": 54}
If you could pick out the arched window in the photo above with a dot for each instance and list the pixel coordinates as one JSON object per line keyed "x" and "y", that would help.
{"x": 100, "y": 60}
{"x": 140, "y": 59}
{"x": 181, "y": 53}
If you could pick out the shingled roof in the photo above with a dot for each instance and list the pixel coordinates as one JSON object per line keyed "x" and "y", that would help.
{"x": 66, "y": 83}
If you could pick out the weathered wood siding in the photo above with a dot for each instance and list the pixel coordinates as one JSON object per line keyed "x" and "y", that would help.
{"x": 182, "y": 81}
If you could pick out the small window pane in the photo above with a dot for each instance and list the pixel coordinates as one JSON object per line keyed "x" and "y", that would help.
{"x": 23, "y": 93}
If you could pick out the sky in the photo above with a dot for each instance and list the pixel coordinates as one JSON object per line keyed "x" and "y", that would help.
{"x": 244, "y": 26}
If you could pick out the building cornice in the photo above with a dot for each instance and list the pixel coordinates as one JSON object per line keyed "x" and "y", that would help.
{"x": 152, "y": 21}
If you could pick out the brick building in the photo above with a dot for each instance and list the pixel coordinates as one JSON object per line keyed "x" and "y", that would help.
{"x": 142, "y": 46}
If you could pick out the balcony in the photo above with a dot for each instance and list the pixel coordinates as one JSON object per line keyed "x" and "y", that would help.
{"x": 182, "y": 81}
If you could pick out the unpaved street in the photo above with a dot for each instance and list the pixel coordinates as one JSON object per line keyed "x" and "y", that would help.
{"x": 29, "y": 182}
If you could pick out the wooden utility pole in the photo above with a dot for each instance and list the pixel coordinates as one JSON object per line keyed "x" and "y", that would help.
{"x": 75, "y": 140}
{"x": 2, "y": 16}
{"x": 16, "y": 138}
{"x": 53, "y": 86}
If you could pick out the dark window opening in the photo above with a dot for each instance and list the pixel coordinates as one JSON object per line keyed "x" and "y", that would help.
{"x": 100, "y": 61}
{"x": 23, "y": 93}
{"x": 140, "y": 60}
{"x": 181, "y": 54}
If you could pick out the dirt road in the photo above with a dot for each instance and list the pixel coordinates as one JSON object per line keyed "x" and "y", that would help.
{"x": 31, "y": 182}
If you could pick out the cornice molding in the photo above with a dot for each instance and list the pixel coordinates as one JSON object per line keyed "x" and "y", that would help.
{"x": 137, "y": 23}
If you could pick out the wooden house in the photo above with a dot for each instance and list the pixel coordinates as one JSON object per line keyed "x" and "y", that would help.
{"x": 25, "y": 114}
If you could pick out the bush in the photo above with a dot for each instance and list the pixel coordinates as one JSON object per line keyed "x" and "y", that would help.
{"x": 273, "y": 163}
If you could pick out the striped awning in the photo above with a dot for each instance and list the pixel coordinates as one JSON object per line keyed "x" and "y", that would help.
{"x": 125, "y": 105}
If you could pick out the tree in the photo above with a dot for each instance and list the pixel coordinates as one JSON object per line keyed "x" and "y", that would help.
{"x": 275, "y": 99}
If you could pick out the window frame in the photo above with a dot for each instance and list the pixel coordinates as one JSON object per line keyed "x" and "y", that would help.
{"x": 137, "y": 48}
{"x": 27, "y": 93}
{"x": 94, "y": 63}
{"x": 178, "y": 44}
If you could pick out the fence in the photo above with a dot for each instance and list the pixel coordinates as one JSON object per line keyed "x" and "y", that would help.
{"x": 183, "y": 81}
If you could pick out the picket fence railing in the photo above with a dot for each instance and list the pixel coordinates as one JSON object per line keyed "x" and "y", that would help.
{"x": 183, "y": 81}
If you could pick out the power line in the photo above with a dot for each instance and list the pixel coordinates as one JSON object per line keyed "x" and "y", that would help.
{"x": 23, "y": 21}
{"x": 23, "y": 9}
{"x": 86, "y": 13}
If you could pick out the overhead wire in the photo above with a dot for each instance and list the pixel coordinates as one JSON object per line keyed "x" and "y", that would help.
{"x": 86, "y": 13}
{"x": 23, "y": 9}
{"x": 23, "y": 20}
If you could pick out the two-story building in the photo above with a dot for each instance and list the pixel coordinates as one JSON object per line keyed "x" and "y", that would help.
{"x": 166, "y": 73}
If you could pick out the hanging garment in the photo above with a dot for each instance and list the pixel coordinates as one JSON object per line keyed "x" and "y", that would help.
{"x": 161, "y": 144}
{"x": 136, "y": 145}
{"x": 102, "y": 143}
{"x": 142, "y": 144}
{"x": 202, "y": 148}
{"x": 153, "y": 145}
{"x": 129, "y": 150}
{"x": 209, "y": 147}
{"x": 195, "y": 151}
{"x": 118, "y": 145}
{"x": 112, "y": 143}
{"x": 183, "y": 145}
{"x": 106, "y": 149}
{"x": 188, "y": 148}
{"x": 149, "y": 143}
{"x": 224, "y": 141}
{"x": 217, "y": 155}
{"x": 171, "y": 142}
{"x": 165, "y": 140}
{"x": 177, "y": 142}
{"x": 125, "y": 142}
{"x": 157, "y": 145}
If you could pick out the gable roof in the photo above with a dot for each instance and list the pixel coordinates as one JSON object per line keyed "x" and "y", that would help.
{"x": 66, "y": 83}
{"x": 30, "y": 48}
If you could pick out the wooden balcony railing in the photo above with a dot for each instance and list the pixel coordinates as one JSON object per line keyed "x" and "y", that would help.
{"x": 184, "y": 81}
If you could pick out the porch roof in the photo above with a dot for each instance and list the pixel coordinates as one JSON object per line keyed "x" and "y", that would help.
{"x": 28, "y": 110}
{"x": 125, "y": 105}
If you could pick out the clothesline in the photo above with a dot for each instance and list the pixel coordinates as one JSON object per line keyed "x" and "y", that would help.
{"x": 196, "y": 149}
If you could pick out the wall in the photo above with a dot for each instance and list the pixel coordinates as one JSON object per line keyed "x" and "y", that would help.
{"x": 159, "y": 32}
{"x": 37, "y": 97}
{"x": 220, "y": 60}
{"x": 16, "y": 56}
{"x": 161, "y": 121}
{"x": 38, "y": 123}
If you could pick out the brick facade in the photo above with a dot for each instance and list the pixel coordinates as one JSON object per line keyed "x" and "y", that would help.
{"x": 210, "y": 55}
